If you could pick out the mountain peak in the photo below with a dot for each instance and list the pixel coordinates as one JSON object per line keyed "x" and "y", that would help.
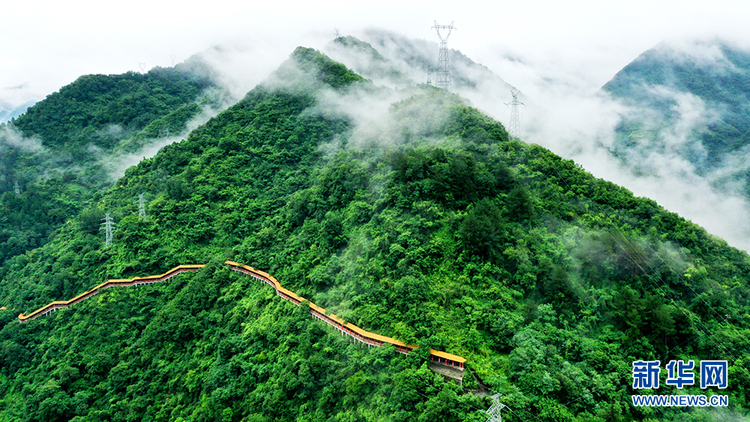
{"x": 323, "y": 68}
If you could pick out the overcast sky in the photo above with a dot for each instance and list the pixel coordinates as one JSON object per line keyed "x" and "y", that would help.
{"x": 47, "y": 44}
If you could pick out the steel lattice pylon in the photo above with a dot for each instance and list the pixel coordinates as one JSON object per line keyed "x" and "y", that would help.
{"x": 494, "y": 410}
{"x": 443, "y": 79}
{"x": 109, "y": 229}
{"x": 515, "y": 119}
{"x": 141, "y": 201}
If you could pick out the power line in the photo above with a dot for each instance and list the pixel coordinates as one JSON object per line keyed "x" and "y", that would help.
{"x": 443, "y": 72}
{"x": 666, "y": 291}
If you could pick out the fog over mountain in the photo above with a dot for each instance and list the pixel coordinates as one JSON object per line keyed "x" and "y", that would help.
{"x": 684, "y": 128}
{"x": 16, "y": 99}
{"x": 686, "y": 154}
{"x": 563, "y": 111}
{"x": 402, "y": 208}
{"x": 386, "y": 201}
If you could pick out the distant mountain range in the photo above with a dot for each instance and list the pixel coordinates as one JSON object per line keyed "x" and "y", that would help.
{"x": 10, "y": 111}
{"x": 692, "y": 99}
{"x": 14, "y": 101}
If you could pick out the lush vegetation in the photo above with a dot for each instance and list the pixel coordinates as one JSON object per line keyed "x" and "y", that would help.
{"x": 80, "y": 114}
{"x": 447, "y": 235}
{"x": 60, "y": 152}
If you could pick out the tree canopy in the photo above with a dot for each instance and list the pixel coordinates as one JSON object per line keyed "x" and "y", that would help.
{"x": 454, "y": 237}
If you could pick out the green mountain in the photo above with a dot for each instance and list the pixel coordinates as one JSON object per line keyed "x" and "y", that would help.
{"x": 65, "y": 149}
{"x": 424, "y": 223}
{"x": 698, "y": 93}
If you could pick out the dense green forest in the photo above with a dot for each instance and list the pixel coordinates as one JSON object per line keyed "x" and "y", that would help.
{"x": 436, "y": 229}
{"x": 60, "y": 153}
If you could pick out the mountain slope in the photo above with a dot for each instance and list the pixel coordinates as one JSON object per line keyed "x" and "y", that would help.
{"x": 423, "y": 222}
{"x": 701, "y": 88}
{"x": 65, "y": 149}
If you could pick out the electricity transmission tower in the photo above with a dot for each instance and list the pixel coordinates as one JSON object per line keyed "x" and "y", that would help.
{"x": 141, "y": 206}
{"x": 16, "y": 188}
{"x": 494, "y": 410}
{"x": 515, "y": 120}
{"x": 142, "y": 66}
{"x": 443, "y": 71}
{"x": 109, "y": 228}
{"x": 338, "y": 34}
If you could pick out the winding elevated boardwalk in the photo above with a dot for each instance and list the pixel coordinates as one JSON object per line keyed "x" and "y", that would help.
{"x": 358, "y": 334}
{"x": 135, "y": 281}
{"x": 455, "y": 362}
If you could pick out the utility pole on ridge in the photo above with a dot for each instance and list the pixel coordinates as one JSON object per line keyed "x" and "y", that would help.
{"x": 515, "y": 120}
{"x": 443, "y": 71}
{"x": 141, "y": 206}
{"x": 109, "y": 229}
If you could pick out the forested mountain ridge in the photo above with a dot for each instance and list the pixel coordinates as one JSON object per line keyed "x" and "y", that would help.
{"x": 97, "y": 113}
{"x": 424, "y": 223}
{"x": 701, "y": 88}
{"x": 63, "y": 151}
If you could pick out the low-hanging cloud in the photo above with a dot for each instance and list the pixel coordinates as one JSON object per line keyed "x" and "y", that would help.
{"x": 238, "y": 66}
{"x": 564, "y": 113}
{"x": 700, "y": 53}
{"x": 10, "y": 137}
{"x": 673, "y": 136}
{"x": 116, "y": 163}
{"x": 660, "y": 165}
{"x": 382, "y": 117}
